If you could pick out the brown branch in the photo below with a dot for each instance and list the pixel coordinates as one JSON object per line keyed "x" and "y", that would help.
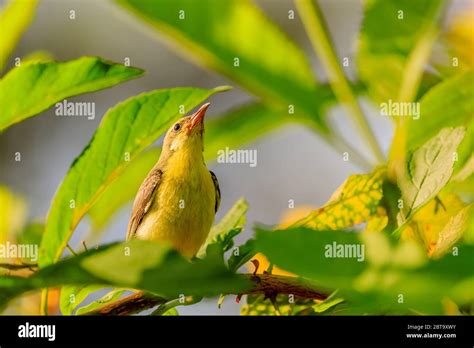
{"x": 129, "y": 305}
{"x": 271, "y": 285}
{"x": 14, "y": 266}
{"x": 18, "y": 270}
{"x": 266, "y": 284}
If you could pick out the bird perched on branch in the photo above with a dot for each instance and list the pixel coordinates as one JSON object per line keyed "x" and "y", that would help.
{"x": 179, "y": 198}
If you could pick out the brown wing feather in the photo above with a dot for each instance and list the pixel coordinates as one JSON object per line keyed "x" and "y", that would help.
{"x": 143, "y": 200}
{"x": 218, "y": 191}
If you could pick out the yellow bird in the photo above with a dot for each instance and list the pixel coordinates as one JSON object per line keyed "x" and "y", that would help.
{"x": 179, "y": 198}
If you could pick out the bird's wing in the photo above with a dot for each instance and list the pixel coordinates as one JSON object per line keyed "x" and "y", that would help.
{"x": 218, "y": 191}
{"x": 143, "y": 201}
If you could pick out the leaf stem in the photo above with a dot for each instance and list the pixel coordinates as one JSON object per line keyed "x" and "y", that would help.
{"x": 44, "y": 302}
{"x": 316, "y": 30}
{"x": 163, "y": 308}
{"x": 409, "y": 87}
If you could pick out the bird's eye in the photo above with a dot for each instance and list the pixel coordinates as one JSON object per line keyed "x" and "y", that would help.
{"x": 177, "y": 127}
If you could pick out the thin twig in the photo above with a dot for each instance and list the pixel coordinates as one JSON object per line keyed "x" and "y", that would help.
{"x": 71, "y": 250}
{"x": 15, "y": 267}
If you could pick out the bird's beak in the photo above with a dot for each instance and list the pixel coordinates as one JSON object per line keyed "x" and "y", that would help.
{"x": 198, "y": 116}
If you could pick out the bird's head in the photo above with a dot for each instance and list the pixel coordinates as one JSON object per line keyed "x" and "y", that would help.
{"x": 186, "y": 133}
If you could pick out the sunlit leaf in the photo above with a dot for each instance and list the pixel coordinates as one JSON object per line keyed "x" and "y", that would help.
{"x": 241, "y": 255}
{"x": 32, "y": 88}
{"x": 107, "y": 298}
{"x": 40, "y": 56}
{"x": 143, "y": 265}
{"x": 391, "y": 31}
{"x": 462, "y": 183}
{"x": 269, "y": 65}
{"x": 452, "y": 232}
{"x": 428, "y": 222}
{"x": 429, "y": 169}
{"x": 72, "y": 296}
{"x": 354, "y": 202}
{"x": 228, "y": 227}
{"x": 449, "y": 104}
{"x": 171, "y": 312}
{"x": 464, "y": 164}
{"x": 125, "y": 130}
{"x": 15, "y": 18}
{"x": 333, "y": 300}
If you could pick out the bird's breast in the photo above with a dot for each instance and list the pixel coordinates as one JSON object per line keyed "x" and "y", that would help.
{"x": 183, "y": 209}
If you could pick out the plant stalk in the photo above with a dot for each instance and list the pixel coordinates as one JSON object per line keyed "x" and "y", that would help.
{"x": 316, "y": 30}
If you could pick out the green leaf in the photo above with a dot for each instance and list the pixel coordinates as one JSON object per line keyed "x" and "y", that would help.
{"x": 452, "y": 231}
{"x": 354, "y": 202}
{"x": 72, "y": 296}
{"x": 125, "y": 130}
{"x": 448, "y": 104}
{"x": 305, "y": 252}
{"x": 391, "y": 33}
{"x": 15, "y": 18}
{"x": 464, "y": 166}
{"x": 40, "y": 56}
{"x": 243, "y": 254}
{"x": 468, "y": 236}
{"x": 467, "y": 170}
{"x": 430, "y": 168}
{"x": 171, "y": 312}
{"x": 111, "y": 296}
{"x": 32, "y": 88}
{"x": 143, "y": 265}
{"x": 181, "y": 301}
{"x": 391, "y": 195}
{"x": 228, "y": 227}
{"x": 427, "y": 224}
{"x": 386, "y": 271}
{"x": 269, "y": 65}
{"x": 329, "y": 303}
{"x": 122, "y": 190}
